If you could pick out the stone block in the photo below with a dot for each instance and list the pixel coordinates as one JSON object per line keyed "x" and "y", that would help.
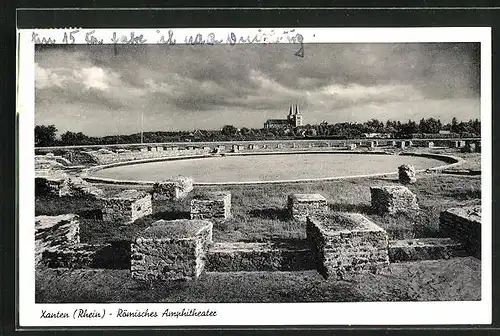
{"x": 393, "y": 199}
{"x": 463, "y": 225}
{"x": 55, "y": 231}
{"x": 214, "y": 206}
{"x": 302, "y": 205}
{"x": 126, "y": 206}
{"x": 172, "y": 189}
{"x": 424, "y": 249}
{"x": 171, "y": 250}
{"x": 407, "y": 174}
{"x": 346, "y": 242}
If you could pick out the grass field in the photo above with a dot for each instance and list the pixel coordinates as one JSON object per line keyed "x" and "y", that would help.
{"x": 259, "y": 211}
{"x": 259, "y": 215}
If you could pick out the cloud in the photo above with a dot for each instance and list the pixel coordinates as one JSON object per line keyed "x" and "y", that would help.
{"x": 190, "y": 87}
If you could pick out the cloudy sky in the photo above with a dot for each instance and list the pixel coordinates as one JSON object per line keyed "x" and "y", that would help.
{"x": 99, "y": 91}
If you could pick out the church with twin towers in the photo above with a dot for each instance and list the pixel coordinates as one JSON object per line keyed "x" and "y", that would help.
{"x": 294, "y": 119}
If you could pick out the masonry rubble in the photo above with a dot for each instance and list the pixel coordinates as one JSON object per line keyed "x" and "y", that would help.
{"x": 346, "y": 242}
{"x": 61, "y": 184}
{"x": 393, "y": 199}
{"x": 302, "y": 205}
{"x": 55, "y": 231}
{"x": 174, "y": 189}
{"x": 126, "y": 206}
{"x": 407, "y": 174}
{"x": 171, "y": 250}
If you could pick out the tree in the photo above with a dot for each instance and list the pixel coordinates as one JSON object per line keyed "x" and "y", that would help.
{"x": 71, "y": 139}
{"x": 430, "y": 125}
{"x": 229, "y": 130}
{"x": 45, "y": 135}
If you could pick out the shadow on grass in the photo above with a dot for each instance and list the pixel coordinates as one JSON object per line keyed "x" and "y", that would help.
{"x": 359, "y": 208}
{"x": 171, "y": 215}
{"x": 271, "y": 213}
{"x": 116, "y": 255}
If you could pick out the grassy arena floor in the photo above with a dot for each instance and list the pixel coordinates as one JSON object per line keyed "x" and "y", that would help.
{"x": 258, "y": 215}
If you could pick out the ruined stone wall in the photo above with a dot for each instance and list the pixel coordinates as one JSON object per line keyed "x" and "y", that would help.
{"x": 171, "y": 250}
{"x": 251, "y": 257}
{"x": 345, "y": 243}
{"x": 53, "y": 232}
{"x": 114, "y": 255}
{"x": 424, "y": 249}
{"x": 172, "y": 189}
{"x": 302, "y": 205}
{"x": 61, "y": 184}
{"x": 114, "y": 157}
{"x": 213, "y": 206}
{"x": 393, "y": 199}
{"x": 126, "y": 206}
{"x": 463, "y": 225}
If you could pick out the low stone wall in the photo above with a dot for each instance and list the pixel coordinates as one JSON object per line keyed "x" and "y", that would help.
{"x": 114, "y": 255}
{"x": 464, "y": 226}
{"x": 52, "y": 232}
{"x": 346, "y": 242}
{"x": 172, "y": 189}
{"x": 171, "y": 250}
{"x": 213, "y": 206}
{"x": 424, "y": 249}
{"x": 248, "y": 257}
{"x": 60, "y": 184}
{"x": 393, "y": 199}
{"x": 107, "y": 157}
{"x": 126, "y": 206}
{"x": 302, "y": 205}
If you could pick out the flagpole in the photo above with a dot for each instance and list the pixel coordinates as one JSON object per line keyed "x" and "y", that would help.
{"x": 142, "y": 126}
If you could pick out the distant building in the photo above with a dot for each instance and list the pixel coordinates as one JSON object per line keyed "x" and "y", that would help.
{"x": 294, "y": 119}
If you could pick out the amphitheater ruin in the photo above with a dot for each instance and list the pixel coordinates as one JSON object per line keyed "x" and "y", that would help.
{"x": 337, "y": 244}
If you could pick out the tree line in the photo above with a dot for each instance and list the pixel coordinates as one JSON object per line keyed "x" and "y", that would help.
{"x": 46, "y": 135}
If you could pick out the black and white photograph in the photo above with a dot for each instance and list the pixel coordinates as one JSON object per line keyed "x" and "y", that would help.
{"x": 257, "y": 173}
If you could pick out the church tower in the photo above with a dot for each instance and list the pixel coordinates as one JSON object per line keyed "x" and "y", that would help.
{"x": 297, "y": 116}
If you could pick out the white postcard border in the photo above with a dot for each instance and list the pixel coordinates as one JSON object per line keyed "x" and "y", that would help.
{"x": 359, "y": 313}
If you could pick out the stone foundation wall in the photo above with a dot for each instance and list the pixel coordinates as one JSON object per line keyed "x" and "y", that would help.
{"x": 345, "y": 243}
{"x": 464, "y": 226}
{"x": 393, "y": 199}
{"x": 172, "y": 189}
{"x": 114, "y": 255}
{"x": 53, "y": 232}
{"x": 213, "y": 206}
{"x": 171, "y": 250}
{"x": 424, "y": 249}
{"x": 302, "y": 205}
{"x": 127, "y": 206}
{"x": 251, "y": 257}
